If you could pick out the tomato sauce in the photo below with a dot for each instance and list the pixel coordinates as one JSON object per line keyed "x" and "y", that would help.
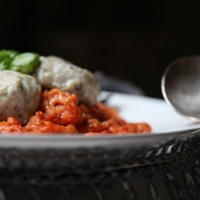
{"x": 60, "y": 113}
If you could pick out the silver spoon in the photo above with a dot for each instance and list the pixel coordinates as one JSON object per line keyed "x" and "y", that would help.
{"x": 181, "y": 86}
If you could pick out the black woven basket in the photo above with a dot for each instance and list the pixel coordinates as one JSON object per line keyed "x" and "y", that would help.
{"x": 131, "y": 167}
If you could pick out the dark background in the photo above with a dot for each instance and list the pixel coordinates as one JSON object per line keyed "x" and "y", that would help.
{"x": 132, "y": 40}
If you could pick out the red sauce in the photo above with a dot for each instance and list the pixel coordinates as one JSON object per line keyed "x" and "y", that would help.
{"x": 60, "y": 113}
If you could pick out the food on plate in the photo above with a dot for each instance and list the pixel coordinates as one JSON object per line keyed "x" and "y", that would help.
{"x": 19, "y": 95}
{"x": 58, "y": 97}
{"x": 54, "y": 72}
{"x": 60, "y": 112}
{"x": 23, "y": 62}
{"x": 5, "y": 57}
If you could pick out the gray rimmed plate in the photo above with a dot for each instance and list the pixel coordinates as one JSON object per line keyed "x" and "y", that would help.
{"x": 91, "y": 154}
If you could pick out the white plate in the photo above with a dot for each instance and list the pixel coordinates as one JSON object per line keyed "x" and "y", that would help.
{"x": 156, "y": 112}
{"x": 132, "y": 108}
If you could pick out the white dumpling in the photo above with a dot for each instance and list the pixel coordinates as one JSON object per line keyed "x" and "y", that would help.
{"x": 54, "y": 72}
{"x": 19, "y": 95}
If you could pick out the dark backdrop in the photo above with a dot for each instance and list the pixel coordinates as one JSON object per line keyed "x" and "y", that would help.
{"x": 132, "y": 40}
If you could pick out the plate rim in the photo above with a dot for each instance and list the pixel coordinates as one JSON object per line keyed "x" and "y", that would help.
{"x": 128, "y": 141}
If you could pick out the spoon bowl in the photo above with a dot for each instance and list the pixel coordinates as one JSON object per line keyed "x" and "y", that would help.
{"x": 181, "y": 86}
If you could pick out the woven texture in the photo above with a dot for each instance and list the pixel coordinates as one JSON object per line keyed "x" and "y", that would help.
{"x": 169, "y": 171}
